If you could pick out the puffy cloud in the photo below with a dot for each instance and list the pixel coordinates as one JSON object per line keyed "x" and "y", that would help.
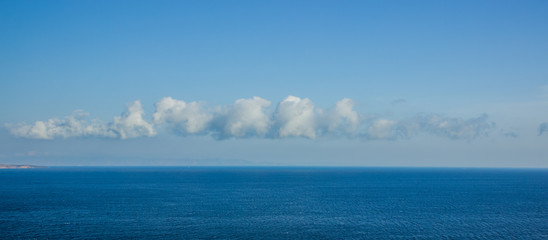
{"x": 187, "y": 118}
{"x": 543, "y": 128}
{"x": 342, "y": 117}
{"x": 246, "y": 117}
{"x": 132, "y": 124}
{"x": 295, "y": 117}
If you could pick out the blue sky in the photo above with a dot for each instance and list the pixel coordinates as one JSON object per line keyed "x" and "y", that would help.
{"x": 343, "y": 83}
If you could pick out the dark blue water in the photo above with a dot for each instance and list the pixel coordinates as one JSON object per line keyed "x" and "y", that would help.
{"x": 273, "y": 203}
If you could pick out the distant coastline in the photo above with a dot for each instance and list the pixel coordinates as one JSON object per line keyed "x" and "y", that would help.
{"x": 12, "y": 166}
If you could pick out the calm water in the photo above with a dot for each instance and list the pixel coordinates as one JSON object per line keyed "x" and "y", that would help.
{"x": 273, "y": 203}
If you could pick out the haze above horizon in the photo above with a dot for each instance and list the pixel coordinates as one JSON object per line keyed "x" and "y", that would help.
{"x": 284, "y": 83}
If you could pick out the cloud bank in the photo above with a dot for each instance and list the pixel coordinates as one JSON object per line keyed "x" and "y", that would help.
{"x": 253, "y": 117}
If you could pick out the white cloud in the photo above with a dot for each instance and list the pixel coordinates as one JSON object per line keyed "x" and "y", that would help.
{"x": 70, "y": 126}
{"x": 187, "y": 118}
{"x": 342, "y": 117}
{"x": 132, "y": 124}
{"x": 295, "y": 117}
{"x": 246, "y": 117}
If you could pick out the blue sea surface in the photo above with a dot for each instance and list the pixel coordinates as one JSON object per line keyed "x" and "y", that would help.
{"x": 273, "y": 203}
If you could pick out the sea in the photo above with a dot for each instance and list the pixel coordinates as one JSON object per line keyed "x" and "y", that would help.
{"x": 273, "y": 203}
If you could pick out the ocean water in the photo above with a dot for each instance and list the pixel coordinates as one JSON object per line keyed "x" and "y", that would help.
{"x": 273, "y": 203}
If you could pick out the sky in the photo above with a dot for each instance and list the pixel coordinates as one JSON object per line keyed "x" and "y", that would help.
{"x": 274, "y": 83}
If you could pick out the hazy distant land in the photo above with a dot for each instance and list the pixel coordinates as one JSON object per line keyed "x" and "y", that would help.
{"x": 11, "y": 166}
